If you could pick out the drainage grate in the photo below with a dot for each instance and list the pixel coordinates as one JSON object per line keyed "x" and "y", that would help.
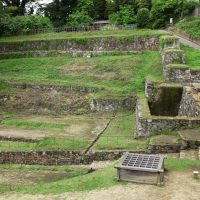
{"x": 142, "y": 162}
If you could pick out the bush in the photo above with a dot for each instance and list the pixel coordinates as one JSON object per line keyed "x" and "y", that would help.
{"x": 79, "y": 19}
{"x": 190, "y": 25}
{"x": 162, "y": 11}
{"x": 124, "y": 16}
{"x": 143, "y": 17}
{"x": 22, "y": 24}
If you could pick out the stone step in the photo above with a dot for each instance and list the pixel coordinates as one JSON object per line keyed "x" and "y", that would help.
{"x": 190, "y": 138}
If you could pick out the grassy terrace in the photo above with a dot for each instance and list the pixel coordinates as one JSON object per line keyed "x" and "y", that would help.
{"x": 121, "y": 74}
{"x": 66, "y": 35}
{"x": 103, "y": 178}
{"x": 119, "y": 135}
{"x": 192, "y": 57}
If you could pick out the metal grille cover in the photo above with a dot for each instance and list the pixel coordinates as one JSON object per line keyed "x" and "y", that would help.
{"x": 142, "y": 162}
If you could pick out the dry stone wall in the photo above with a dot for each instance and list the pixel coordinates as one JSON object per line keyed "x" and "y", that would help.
{"x": 59, "y": 157}
{"x": 125, "y": 43}
{"x": 180, "y": 74}
{"x": 190, "y": 103}
{"x": 147, "y": 124}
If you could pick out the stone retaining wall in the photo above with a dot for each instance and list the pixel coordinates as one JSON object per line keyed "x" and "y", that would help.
{"x": 173, "y": 56}
{"x": 155, "y": 149}
{"x": 33, "y": 54}
{"x": 120, "y": 43}
{"x": 190, "y": 103}
{"x": 147, "y": 124}
{"x": 59, "y": 88}
{"x": 59, "y": 157}
{"x": 180, "y": 74}
{"x": 110, "y": 105}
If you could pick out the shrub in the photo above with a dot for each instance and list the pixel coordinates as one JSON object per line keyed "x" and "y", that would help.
{"x": 162, "y": 11}
{"x": 79, "y": 19}
{"x": 143, "y": 17}
{"x": 190, "y": 25}
{"x": 22, "y": 24}
{"x": 124, "y": 16}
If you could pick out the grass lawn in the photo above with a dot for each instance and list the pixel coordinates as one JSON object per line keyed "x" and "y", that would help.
{"x": 121, "y": 74}
{"x": 192, "y": 57}
{"x": 65, "y": 35}
{"x": 103, "y": 178}
{"x": 120, "y": 135}
{"x": 46, "y": 144}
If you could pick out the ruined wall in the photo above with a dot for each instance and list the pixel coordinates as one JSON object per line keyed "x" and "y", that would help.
{"x": 112, "y": 104}
{"x": 181, "y": 73}
{"x": 190, "y": 103}
{"x": 147, "y": 124}
{"x": 125, "y": 43}
{"x": 59, "y": 157}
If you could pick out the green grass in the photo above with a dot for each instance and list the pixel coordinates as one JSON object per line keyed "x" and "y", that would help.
{"x": 190, "y": 25}
{"x": 121, "y": 74}
{"x": 46, "y": 144}
{"x": 99, "y": 179}
{"x": 120, "y": 135}
{"x": 66, "y": 35}
{"x": 34, "y": 125}
{"x": 173, "y": 164}
{"x": 192, "y": 57}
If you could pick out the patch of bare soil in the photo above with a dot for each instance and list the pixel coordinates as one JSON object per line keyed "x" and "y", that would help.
{"x": 38, "y": 101}
{"x": 85, "y": 126}
{"x": 20, "y": 177}
{"x": 179, "y": 186}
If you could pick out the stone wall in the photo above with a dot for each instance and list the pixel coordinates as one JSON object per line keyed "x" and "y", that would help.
{"x": 190, "y": 103}
{"x": 180, "y": 74}
{"x": 173, "y": 56}
{"x": 56, "y": 53}
{"x": 123, "y": 43}
{"x": 147, "y": 124}
{"x": 155, "y": 149}
{"x": 59, "y": 157}
{"x": 112, "y": 104}
{"x": 58, "y": 88}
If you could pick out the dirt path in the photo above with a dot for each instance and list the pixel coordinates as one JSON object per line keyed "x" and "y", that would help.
{"x": 179, "y": 186}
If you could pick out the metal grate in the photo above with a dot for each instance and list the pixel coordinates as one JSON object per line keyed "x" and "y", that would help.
{"x": 142, "y": 161}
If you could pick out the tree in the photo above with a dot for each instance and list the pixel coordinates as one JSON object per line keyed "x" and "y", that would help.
{"x": 144, "y": 4}
{"x": 79, "y": 19}
{"x": 124, "y": 16}
{"x": 161, "y": 11}
{"x": 19, "y": 5}
{"x": 99, "y": 9}
{"x": 143, "y": 17}
{"x": 85, "y": 5}
{"x": 59, "y": 10}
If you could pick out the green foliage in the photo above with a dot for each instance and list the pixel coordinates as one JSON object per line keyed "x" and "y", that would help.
{"x": 99, "y": 9}
{"x": 58, "y": 11}
{"x": 143, "y": 17}
{"x": 79, "y": 19}
{"x": 124, "y": 16}
{"x": 86, "y": 6}
{"x": 162, "y": 11}
{"x": 22, "y": 24}
{"x": 190, "y": 25}
{"x": 144, "y": 4}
